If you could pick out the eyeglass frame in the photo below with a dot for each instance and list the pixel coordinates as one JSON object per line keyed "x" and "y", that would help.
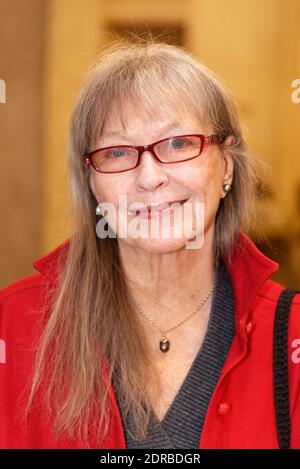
{"x": 205, "y": 140}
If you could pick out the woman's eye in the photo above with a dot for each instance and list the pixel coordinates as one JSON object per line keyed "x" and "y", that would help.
{"x": 115, "y": 153}
{"x": 180, "y": 143}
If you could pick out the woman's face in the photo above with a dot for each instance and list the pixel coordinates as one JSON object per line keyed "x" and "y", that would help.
{"x": 198, "y": 181}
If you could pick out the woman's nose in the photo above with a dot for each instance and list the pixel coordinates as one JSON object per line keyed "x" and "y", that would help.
{"x": 150, "y": 172}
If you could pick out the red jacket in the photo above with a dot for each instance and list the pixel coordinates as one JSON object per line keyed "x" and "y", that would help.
{"x": 241, "y": 410}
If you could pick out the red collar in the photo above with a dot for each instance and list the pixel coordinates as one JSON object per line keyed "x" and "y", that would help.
{"x": 248, "y": 269}
{"x": 47, "y": 264}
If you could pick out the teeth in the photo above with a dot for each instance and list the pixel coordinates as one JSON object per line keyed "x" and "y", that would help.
{"x": 160, "y": 208}
{"x": 157, "y": 207}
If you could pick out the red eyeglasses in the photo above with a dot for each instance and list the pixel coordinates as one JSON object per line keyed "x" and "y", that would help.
{"x": 120, "y": 158}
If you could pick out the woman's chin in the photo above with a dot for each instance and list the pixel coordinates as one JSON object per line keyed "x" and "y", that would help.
{"x": 158, "y": 245}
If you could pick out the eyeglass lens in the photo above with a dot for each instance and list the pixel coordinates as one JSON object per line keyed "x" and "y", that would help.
{"x": 168, "y": 151}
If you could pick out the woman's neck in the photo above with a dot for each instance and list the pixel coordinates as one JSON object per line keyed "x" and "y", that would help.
{"x": 169, "y": 286}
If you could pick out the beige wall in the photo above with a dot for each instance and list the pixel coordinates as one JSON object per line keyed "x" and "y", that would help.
{"x": 72, "y": 37}
{"x": 21, "y": 163}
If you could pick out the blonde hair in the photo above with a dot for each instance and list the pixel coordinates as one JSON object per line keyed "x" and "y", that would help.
{"x": 93, "y": 320}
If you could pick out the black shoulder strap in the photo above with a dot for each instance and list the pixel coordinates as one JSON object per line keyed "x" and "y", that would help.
{"x": 280, "y": 368}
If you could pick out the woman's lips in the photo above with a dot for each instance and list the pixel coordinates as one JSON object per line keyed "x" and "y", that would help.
{"x": 161, "y": 210}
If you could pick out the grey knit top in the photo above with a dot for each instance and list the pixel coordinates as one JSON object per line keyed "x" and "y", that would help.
{"x": 182, "y": 424}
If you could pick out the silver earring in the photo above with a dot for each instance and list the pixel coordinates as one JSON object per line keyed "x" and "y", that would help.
{"x": 98, "y": 210}
{"x": 226, "y": 189}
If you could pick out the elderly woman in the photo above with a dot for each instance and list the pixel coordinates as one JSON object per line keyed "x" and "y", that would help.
{"x": 161, "y": 337}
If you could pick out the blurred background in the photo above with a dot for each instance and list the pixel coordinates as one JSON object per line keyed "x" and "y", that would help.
{"x": 46, "y": 48}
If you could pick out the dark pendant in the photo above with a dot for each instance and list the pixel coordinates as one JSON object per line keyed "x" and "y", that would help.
{"x": 164, "y": 345}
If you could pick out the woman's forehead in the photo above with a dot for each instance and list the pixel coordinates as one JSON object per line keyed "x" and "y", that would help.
{"x": 130, "y": 122}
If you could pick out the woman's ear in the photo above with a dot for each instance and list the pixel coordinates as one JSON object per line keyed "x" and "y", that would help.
{"x": 228, "y": 160}
{"x": 228, "y": 141}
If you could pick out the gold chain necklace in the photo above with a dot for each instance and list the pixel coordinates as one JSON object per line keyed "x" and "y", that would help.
{"x": 164, "y": 343}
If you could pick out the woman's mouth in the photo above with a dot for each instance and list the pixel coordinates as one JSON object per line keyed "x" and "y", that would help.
{"x": 159, "y": 210}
